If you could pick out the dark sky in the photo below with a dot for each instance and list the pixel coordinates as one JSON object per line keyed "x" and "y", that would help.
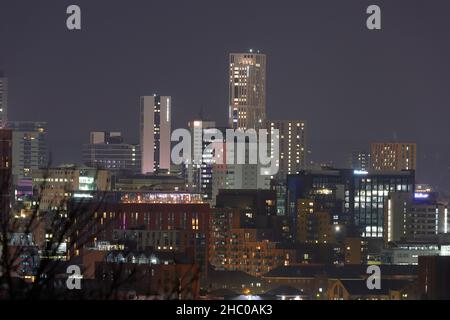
{"x": 352, "y": 85}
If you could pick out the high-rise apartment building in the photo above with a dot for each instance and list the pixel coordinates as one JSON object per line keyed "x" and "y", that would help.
{"x": 3, "y": 100}
{"x": 155, "y": 131}
{"x": 108, "y": 150}
{"x": 247, "y": 90}
{"x": 292, "y": 145}
{"x": 394, "y": 156}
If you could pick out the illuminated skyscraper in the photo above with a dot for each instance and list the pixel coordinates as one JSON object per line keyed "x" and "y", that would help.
{"x": 292, "y": 146}
{"x": 393, "y": 156}
{"x": 3, "y": 100}
{"x": 247, "y": 92}
{"x": 155, "y": 130}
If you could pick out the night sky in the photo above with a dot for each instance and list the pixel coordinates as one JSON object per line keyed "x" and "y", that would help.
{"x": 352, "y": 85}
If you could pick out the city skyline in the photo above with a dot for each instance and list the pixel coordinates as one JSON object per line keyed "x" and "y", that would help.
{"x": 51, "y": 79}
{"x": 235, "y": 150}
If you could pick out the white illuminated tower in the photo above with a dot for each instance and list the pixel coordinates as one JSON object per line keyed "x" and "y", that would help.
{"x": 292, "y": 145}
{"x": 155, "y": 130}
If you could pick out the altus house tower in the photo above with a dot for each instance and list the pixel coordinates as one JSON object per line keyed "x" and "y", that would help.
{"x": 247, "y": 92}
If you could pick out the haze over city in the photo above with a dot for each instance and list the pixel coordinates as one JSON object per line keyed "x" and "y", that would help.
{"x": 353, "y": 87}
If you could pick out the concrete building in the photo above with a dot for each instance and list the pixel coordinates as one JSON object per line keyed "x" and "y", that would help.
{"x": 247, "y": 90}
{"x": 236, "y": 177}
{"x": 394, "y": 156}
{"x": 155, "y": 132}
{"x": 54, "y": 187}
{"x": 29, "y": 153}
{"x": 414, "y": 216}
{"x": 108, "y": 150}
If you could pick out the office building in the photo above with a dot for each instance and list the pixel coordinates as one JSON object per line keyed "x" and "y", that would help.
{"x": 247, "y": 90}
{"x": 394, "y": 156}
{"x": 292, "y": 145}
{"x": 414, "y": 216}
{"x": 54, "y": 187}
{"x": 155, "y": 132}
{"x": 351, "y": 197}
{"x": 29, "y": 153}
{"x": 108, "y": 150}
{"x": 3, "y": 100}
{"x": 237, "y": 177}
{"x": 408, "y": 253}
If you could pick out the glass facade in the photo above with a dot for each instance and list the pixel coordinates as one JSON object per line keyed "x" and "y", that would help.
{"x": 351, "y": 197}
